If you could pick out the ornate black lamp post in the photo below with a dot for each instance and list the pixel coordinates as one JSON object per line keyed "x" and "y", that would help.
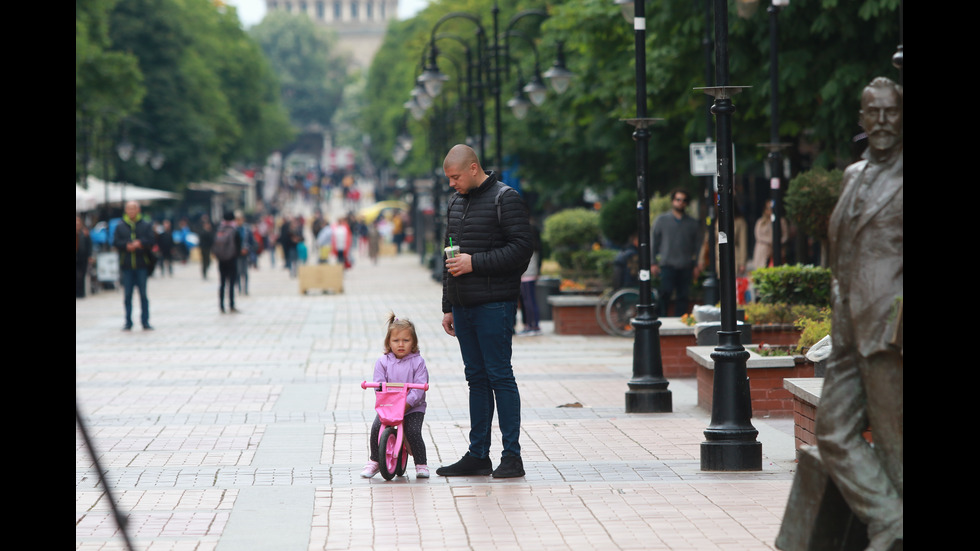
{"x": 493, "y": 60}
{"x": 648, "y": 388}
{"x": 774, "y": 146}
{"x": 730, "y": 438}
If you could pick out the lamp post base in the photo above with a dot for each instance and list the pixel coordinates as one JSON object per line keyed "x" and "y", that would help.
{"x": 731, "y": 456}
{"x": 648, "y": 388}
{"x": 649, "y": 401}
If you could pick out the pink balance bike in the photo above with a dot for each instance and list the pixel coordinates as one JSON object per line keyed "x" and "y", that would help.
{"x": 390, "y": 405}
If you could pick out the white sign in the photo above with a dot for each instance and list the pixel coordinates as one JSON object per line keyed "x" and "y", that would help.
{"x": 107, "y": 267}
{"x": 704, "y": 159}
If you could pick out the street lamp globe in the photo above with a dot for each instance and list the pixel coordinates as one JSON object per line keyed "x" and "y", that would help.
{"x": 432, "y": 79}
{"x": 519, "y": 105}
{"x": 558, "y": 75}
{"x": 125, "y": 150}
{"x": 536, "y": 91}
{"x": 422, "y": 97}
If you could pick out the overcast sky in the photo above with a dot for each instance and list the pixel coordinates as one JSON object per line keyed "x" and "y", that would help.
{"x": 252, "y": 11}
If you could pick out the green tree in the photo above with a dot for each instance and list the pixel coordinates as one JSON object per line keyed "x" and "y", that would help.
{"x": 828, "y": 50}
{"x": 210, "y": 99}
{"x": 108, "y": 84}
{"x": 312, "y": 71}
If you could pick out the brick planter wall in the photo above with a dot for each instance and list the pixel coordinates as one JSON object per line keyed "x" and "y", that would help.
{"x": 776, "y": 334}
{"x": 806, "y": 401}
{"x": 766, "y": 374}
{"x": 575, "y": 315}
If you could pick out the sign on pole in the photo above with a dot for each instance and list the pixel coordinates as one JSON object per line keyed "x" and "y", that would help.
{"x": 704, "y": 159}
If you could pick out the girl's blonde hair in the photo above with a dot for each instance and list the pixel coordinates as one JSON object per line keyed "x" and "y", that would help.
{"x": 395, "y": 324}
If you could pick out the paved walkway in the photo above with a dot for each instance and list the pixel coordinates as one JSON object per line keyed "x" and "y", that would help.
{"x": 238, "y": 432}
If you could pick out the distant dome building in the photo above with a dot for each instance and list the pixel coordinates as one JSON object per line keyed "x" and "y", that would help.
{"x": 359, "y": 24}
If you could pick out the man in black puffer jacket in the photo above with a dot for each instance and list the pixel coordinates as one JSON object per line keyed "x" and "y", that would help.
{"x": 489, "y": 222}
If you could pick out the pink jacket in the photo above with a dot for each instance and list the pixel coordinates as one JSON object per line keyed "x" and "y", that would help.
{"x": 410, "y": 369}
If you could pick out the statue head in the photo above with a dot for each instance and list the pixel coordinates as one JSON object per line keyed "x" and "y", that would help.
{"x": 881, "y": 115}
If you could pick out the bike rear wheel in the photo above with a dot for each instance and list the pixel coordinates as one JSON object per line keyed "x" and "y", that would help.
{"x": 388, "y": 465}
{"x": 600, "y": 313}
{"x": 620, "y": 311}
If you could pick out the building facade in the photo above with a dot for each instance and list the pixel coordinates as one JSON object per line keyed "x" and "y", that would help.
{"x": 359, "y": 24}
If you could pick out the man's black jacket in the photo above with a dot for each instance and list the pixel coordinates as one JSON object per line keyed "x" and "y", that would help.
{"x": 490, "y": 223}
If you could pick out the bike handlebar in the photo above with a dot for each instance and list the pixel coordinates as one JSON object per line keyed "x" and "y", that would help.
{"x": 365, "y": 385}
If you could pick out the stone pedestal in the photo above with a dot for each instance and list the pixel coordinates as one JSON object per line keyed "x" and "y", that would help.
{"x": 817, "y": 518}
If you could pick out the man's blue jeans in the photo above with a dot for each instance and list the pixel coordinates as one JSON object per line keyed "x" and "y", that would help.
{"x": 135, "y": 278}
{"x": 675, "y": 280}
{"x": 485, "y": 334}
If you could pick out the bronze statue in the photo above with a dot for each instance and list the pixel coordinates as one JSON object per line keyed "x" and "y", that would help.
{"x": 865, "y": 378}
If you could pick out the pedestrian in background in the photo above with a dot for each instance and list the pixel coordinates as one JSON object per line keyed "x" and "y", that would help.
{"x": 83, "y": 256}
{"x": 134, "y": 240}
{"x": 247, "y": 251}
{"x": 480, "y": 289}
{"x": 673, "y": 254}
{"x": 165, "y": 246}
{"x": 529, "y": 301}
{"x": 341, "y": 241}
{"x": 205, "y": 238}
{"x": 227, "y": 249}
{"x": 762, "y": 252}
{"x": 324, "y": 239}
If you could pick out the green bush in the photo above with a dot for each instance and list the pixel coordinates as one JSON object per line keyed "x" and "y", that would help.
{"x": 591, "y": 267}
{"x": 796, "y": 284}
{"x": 569, "y": 231}
{"x": 812, "y": 328}
{"x": 617, "y": 219}
{"x": 810, "y": 199}
{"x": 760, "y": 313}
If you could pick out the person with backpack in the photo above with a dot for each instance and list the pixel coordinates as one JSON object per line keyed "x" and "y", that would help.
{"x": 227, "y": 248}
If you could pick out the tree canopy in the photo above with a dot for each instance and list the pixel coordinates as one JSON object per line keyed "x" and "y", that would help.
{"x": 828, "y": 50}
{"x": 188, "y": 85}
{"x": 311, "y": 69}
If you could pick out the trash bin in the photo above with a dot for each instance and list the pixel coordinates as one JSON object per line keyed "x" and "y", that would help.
{"x": 544, "y": 288}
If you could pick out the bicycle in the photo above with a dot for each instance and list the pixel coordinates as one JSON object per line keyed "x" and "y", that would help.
{"x": 389, "y": 402}
{"x": 617, "y": 308}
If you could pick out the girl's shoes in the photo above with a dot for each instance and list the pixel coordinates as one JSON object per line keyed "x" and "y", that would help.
{"x": 372, "y": 469}
{"x": 421, "y": 471}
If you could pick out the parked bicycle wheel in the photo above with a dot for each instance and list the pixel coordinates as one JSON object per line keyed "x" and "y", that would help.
{"x": 600, "y": 312}
{"x": 389, "y": 463}
{"x": 620, "y": 311}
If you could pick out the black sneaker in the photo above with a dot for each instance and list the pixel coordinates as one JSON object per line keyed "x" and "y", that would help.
{"x": 469, "y": 465}
{"x": 510, "y": 466}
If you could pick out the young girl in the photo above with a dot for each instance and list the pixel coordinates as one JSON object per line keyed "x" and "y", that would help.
{"x": 402, "y": 363}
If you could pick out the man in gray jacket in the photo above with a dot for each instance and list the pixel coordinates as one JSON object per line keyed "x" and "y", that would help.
{"x": 489, "y": 222}
{"x": 675, "y": 247}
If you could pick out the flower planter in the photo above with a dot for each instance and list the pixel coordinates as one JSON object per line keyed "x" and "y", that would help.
{"x": 766, "y": 374}
{"x": 776, "y": 334}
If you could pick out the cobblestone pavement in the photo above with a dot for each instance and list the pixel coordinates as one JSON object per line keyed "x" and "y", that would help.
{"x": 237, "y": 432}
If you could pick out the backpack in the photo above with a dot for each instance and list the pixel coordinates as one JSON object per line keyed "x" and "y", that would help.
{"x": 224, "y": 243}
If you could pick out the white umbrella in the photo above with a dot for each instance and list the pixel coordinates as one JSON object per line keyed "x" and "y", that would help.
{"x": 118, "y": 193}
{"x": 84, "y": 201}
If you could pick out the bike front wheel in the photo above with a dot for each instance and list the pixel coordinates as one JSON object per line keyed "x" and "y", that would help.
{"x": 388, "y": 465}
{"x": 401, "y": 464}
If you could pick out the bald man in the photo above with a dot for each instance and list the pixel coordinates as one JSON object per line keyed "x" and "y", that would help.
{"x": 489, "y": 222}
